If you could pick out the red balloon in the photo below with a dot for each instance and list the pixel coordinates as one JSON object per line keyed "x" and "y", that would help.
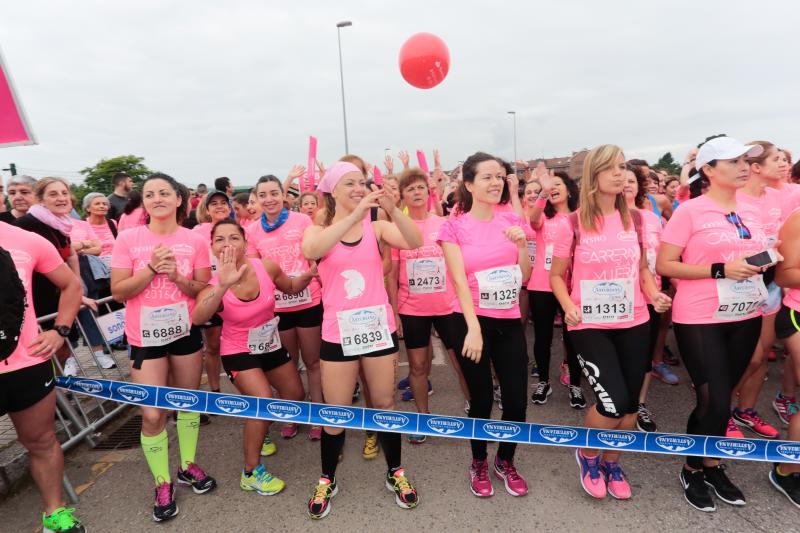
{"x": 424, "y": 60}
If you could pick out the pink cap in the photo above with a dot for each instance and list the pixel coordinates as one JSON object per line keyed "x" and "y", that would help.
{"x": 334, "y": 174}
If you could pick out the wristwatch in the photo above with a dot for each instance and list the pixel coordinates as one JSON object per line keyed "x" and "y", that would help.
{"x": 62, "y": 330}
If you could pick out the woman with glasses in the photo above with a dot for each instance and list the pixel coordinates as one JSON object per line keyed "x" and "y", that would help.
{"x": 717, "y": 307}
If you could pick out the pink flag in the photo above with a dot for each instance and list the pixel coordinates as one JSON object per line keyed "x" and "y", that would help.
{"x": 14, "y": 127}
{"x": 377, "y": 177}
{"x": 423, "y": 163}
{"x": 312, "y": 165}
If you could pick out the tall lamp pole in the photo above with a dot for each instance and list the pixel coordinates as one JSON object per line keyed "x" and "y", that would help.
{"x": 339, "y": 26}
{"x": 514, "y": 114}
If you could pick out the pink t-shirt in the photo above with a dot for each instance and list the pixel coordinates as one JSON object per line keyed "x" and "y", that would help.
{"x": 489, "y": 254}
{"x": 352, "y": 278}
{"x": 30, "y": 253}
{"x": 608, "y": 256}
{"x": 706, "y": 236}
{"x": 432, "y": 293}
{"x": 239, "y": 317}
{"x": 789, "y": 198}
{"x": 82, "y": 231}
{"x": 770, "y": 206}
{"x": 135, "y": 219}
{"x": 545, "y": 242}
{"x": 792, "y": 298}
{"x": 283, "y": 246}
{"x": 651, "y": 242}
{"x": 204, "y": 230}
{"x": 133, "y": 250}
{"x": 103, "y": 233}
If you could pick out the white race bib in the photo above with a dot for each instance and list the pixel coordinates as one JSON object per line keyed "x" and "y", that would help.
{"x": 604, "y": 301}
{"x": 498, "y": 288}
{"x": 426, "y": 275}
{"x": 163, "y": 325}
{"x": 548, "y": 257}
{"x": 531, "y": 250}
{"x": 740, "y": 299}
{"x": 264, "y": 339}
{"x": 364, "y": 330}
{"x": 283, "y": 300}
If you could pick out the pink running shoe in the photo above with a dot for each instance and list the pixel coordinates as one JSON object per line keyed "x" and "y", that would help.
{"x": 515, "y": 485}
{"x": 732, "y": 431}
{"x": 750, "y": 419}
{"x": 591, "y": 477}
{"x": 315, "y": 433}
{"x": 479, "y": 482}
{"x": 289, "y": 431}
{"x": 616, "y": 481}
{"x": 564, "y": 370}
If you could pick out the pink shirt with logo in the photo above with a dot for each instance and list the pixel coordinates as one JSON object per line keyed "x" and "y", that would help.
{"x": 133, "y": 250}
{"x": 352, "y": 278}
{"x": 545, "y": 239}
{"x": 283, "y": 246}
{"x": 107, "y": 239}
{"x": 238, "y": 317}
{"x": 706, "y": 236}
{"x": 611, "y": 252}
{"x": 427, "y": 304}
{"x": 30, "y": 253}
{"x": 483, "y": 247}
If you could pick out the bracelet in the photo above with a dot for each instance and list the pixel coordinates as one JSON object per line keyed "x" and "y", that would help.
{"x": 153, "y": 270}
{"x": 718, "y": 270}
{"x": 540, "y": 203}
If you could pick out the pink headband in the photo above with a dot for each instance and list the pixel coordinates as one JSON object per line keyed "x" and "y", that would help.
{"x": 334, "y": 174}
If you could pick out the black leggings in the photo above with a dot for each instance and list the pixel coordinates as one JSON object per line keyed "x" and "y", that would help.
{"x": 716, "y": 356}
{"x": 502, "y": 346}
{"x": 614, "y": 362}
{"x": 543, "y": 308}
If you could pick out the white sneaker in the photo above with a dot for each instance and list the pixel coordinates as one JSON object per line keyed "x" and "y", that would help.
{"x": 71, "y": 367}
{"x": 105, "y": 361}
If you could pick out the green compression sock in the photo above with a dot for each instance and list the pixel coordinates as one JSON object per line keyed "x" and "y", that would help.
{"x": 188, "y": 425}
{"x": 156, "y": 451}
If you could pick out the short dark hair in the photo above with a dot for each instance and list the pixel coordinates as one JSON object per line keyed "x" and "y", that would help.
{"x": 202, "y": 188}
{"x": 119, "y": 177}
{"x": 638, "y": 162}
{"x": 222, "y": 184}
{"x": 242, "y": 198}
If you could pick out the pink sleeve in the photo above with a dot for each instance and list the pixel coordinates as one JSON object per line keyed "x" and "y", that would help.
{"x": 678, "y": 228}
{"x": 120, "y": 256}
{"x": 448, "y": 231}
{"x": 395, "y": 254}
{"x": 562, "y": 243}
{"x": 48, "y": 258}
{"x": 202, "y": 259}
{"x": 249, "y": 234}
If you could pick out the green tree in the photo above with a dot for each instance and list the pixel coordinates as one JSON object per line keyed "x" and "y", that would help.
{"x": 99, "y": 177}
{"x": 667, "y": 163}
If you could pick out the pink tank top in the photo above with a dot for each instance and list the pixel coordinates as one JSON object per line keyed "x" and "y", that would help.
{"x": 352, "y": 278}
{"x": 239, "y": 317}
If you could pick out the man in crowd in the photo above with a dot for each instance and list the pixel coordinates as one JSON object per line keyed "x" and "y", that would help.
{"x": 123, "y": 185}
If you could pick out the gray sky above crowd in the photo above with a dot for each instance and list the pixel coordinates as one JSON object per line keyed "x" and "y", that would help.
{"x": 205, "y": 88}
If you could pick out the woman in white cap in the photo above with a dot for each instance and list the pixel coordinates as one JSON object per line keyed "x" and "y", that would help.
{"x": 717, "y": 306}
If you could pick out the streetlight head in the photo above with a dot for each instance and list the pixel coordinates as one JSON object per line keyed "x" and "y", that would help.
{"x": 343, "y": 24}
{"x": 512, "y": 112}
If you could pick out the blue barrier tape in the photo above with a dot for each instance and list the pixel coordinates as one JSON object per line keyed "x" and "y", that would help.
{"x": 433, "y": 425}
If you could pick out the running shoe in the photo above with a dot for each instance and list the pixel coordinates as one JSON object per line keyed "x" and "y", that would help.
{"x": 644, "y": 419}
{"x": 722, "y": 486}
{"x": 408, "y": 395}
{"x": 289, "y": 431}
{"x": 616, "y": 481}
{"x": 663, "y": 373}
{"x": 404, "y": 383}
{"x": 165, "y": 507}
{"x": 356, "y": 392}
{"x": 315, "y": 433}
{"x": 563, "y": 371}
{"x": 749, "y": 419}
{"x": 479, "y": 482}
{"x": 320, "y": 503}
{"x": 195, "y": 477}
{"x": 788, "y": 485}
{"x": 261, "y": 481}
{"x": 268, "y": 447}
{"x": 371, "y": 445}
{"x": 515, "y": 484}
{"x": 417, "y": 439}
{"x": 534, "y": 371}
{"x": 670, "y": 358}
{"x": 498, "y": 396}
{"x": 405, "y": 495}
{"x": 541, "y": 392}
{"x": 696, "y": 491}
{"x": 61, "y": 521}
{"x": 71, "y": 367}
{"x": 576, "y": 399}
{"x": 732, "y": 431}
{"x": 466, "y": 407}
{"x": 592, "y": 479}
{"x": 781, "y": 405}
{"x": 105, "y": 362}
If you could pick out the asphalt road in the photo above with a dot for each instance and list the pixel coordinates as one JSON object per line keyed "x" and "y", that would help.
{"x": 116, "y": 492}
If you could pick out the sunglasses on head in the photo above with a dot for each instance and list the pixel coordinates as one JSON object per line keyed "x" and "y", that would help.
{"x": 736, "y": 220}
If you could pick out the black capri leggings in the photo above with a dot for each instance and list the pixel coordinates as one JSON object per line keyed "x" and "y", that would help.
{"x": 503, "y": 347}
{"x": 716, "y": 356}
{"x": 614, "y": 362}
{"x": 543, "y": 308}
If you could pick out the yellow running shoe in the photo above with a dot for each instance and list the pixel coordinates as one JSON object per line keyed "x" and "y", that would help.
{"x": 261, "y": 481}
{"x": 371, "y": 446}
{"x": 268, "y": 448}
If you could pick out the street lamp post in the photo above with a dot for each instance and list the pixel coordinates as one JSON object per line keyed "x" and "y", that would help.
{"x": 514, "y": 114}
{"x": 339, "y": 26}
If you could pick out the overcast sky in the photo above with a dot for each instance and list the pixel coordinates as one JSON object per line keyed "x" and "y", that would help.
{"x": 206, "y": 88}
